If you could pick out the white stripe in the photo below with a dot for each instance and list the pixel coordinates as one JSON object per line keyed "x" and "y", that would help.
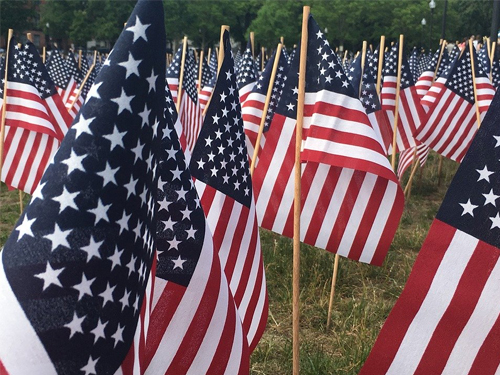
{"x": 357, "y": 213}
{"x": 379, "y": 222}
{"x": 21, "y": 351}
{"x": 477, "y": 328}
{"x": 434, "y": 305}
{"x": 234, "y": 363}
{"x": 333, "y": 210}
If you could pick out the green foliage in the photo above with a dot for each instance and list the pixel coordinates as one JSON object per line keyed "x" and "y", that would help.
{"x": 16, "y": 15}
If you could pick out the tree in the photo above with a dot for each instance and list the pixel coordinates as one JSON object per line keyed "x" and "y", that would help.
{"x": 15, "y": 14}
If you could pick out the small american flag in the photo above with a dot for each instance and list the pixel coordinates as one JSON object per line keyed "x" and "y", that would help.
{"x": 447, "y": 319}
{"x": 173, "y": 72}
{"x": 452, "y": 122}
{"x": 207, "y": 84}
{"x": 35, "y": 118}
{"x": 247, "y": 74}
{"x": 219, "y": 164}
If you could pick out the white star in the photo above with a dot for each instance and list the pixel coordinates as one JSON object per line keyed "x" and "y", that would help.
{"x": 115, "y": 259}
{"x": 468, "y": 208}
{"x": 497, "y": 138}
{"x": 169, "y": 224}
{"x": 173, "y": 243}
{"x": 108, "y": 175}
{"x": 484, "y": 174}
{"x": 123, "y": 222}
{"x": 216, "y": 118}
{"x": 152, "y": 81}
{"x": 74, "y": 162}
{"x": 139, "y": 29}
{"x": 495, "y": 221}
{"x": 98, "y": 331}
{"x": 131, "y": 65}
{"x": 100, "y": 212}
{"x": 93, "y": 91}
{"x": 92, "y": 248}
{"x": 290, "y": 106}
{"x": 123, "y": 102}
{"x": 137, "y": 150}
{"x": 116, "y": 138}
{"x": 75, "y": 325}
{"x": 89, "y": 368}
{"x": 186, "y": 213}
{"x": 191, "y": 232}
{"x": 58, "y": 237}
{"x": 130, "y": 186}
{"x": 178, "y": 263}
{"x": 50, "y": 276}
{"x": 490, "y": 198}
{"x": 118, "y": 335}
{"x": 25, "y": 227}
{"x": 107, "y": 295}
{"x": 82, "y": 126}
{"x": 66, "y": 199}
{"x": 145, "y": 115}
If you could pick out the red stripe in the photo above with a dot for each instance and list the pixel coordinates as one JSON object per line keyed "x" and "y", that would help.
{"x": 3, "y": 370}
{"x": 408, "y": 304}
{"x": 28, "y": 163}
{"x": 487, "y": 360}
{"x": 249, "y": 256}
{"x": 459, "y": 310}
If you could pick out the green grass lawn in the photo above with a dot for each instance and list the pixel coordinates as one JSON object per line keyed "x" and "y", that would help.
{"x": 364, "y": 295}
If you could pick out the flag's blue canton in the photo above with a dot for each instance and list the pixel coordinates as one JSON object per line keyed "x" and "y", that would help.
{"x": 460, "y": 78}
{"x": 444, "y": 65}
{"x": 170, "y": 109}
{"x": 354, "y": 73}
{"x": 413, "y": 64}
{"x": 220, "y": 156}
{"x": 206, "y": 74}
{"x": 472, "y": 204}
{"x": 287, "y": 104}
{"x": 324, "y": 70}
{"x": 368, "y": 96}
{"x": 72, "y": 67}
{"x": 483, "y": 58}
{"x": 174, "y": 68}
{"x": 431, "y": 64}
{"x": 57, "y": 69}
{"x": 423, "y": 62}
{"x": 285, "y": 54}
{"x": 391, "y": 65}
{"x": 79, "y": 258}
{"x": 29, "y": 69}
{"x": 212, "y": 64}
{"x": 181, "y": 222}
{"x": 292, "y": 56}
{"x": 454, "y": 52}
{"x": 262, "y": 85}
{"x": 246, "y": 69}
{"x": 189, "y": 77}
{"x": 495, "y": 73}
{"x": 237, "y": 60}
{"x": 373, "y": 60}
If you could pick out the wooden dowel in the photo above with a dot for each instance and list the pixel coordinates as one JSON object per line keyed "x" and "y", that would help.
{"x": 332, "y": 290}
{"x": 396, "y": 106}
{"x": 492, "y": 58}
{"x": 29, "y": 36}
{"x": 413, "y": 170}
{"x": 200, "y": 70}
{"x": 266, "y": 107}
{"x": 44, "y": 53}
{"x": 297, "y": 196}
{"x": 441, "y": 51}
{"x": 363, "y": 57}
{"x": 181, "y": 74}
{"x": 380, "y": 63}
{"x": 473, "y": 68}
{"x": 4, "y": 107}
{"x": 252, "y": 43}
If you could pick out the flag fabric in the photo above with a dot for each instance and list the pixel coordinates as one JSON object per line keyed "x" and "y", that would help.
{"x": 35, "y": 118}
{"x": 436, "y": 87}
{"x": 207, "y": 84}
{"x": 351, "y": 199}
{"x": 219, "y": 164}
{"x": 190, "y": 111}
{"x": 82, "y": 287}
{"x": 425, "y": 80}
{"x": 410, "y": 112}
{"x": 495, "y": 72}
{"x": 73, "y": 105}
{"x": 452, "y": 122}
{"x": 413, "y": 64}
{"x": 447, "y": 319}
{"x": 252, "y": 109}
{"x": 408, "y": 156}
{"x": 247, "y": 74}
{"x": 60, "y": 74}
{"x": 173, "y": 72}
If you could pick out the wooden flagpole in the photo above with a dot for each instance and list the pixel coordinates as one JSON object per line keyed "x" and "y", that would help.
{"x": 441, "y": 51}
{"x": 266, "y": 106}
{"x": 413, "y": 170}
{"x": 380, "y": 63}
{"x": 200, "y": 70}
{"x": 80, "y": 59}
{"x": 44, "y": 52}
{"x": 282, "y": 40}
{"x": 80, "y": 89}
{"x": 345, "y": 57}
{"x": 363, "y": 58}
{"x": 2, "y": 124}
{"x": 492, "y": 58}
{"x": 209, "y": 55}
{"x": 263, "y": 54}
{"x": 396, "y": 106}
{"x": 332, "y": 291}
{"x": 181, "y": 74}
{"x": 473, "y": 68}
{"x": 252, "y": 43}
{"x": 220, "y": 58}
{"x": 297, "y": 196}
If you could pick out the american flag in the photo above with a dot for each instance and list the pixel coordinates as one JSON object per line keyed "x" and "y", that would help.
{"x": 434, "y": 88}
{"x": 373, "y": 63}
{"x": 484, "y": 58}
{"x": 370, "y": 100}
{"x": 77, "y": 275}
{"x": 74, "y": 82}
{"x": 190, "y": 111}
{"x": 60, "y": 74}
{"x": 495, "y": 72}
{"x": 173, "y": 72}
{"x": 447, "y": 319}
{"x": 35, "y": 118}
{"x": 252, "y": 109}
{"x": 207, "y": 85}
{"x": 219, "y": 164}
{"x": 452, "y": 122}
{"x": 408, "y": 156}
{"x": 247, "y": 74}
{"x": 212, "y": 63}
{"x": 351, "y": 200}
{"x": 413, "y": 64}
{"x": 410, "y": 112}
{"x": 426, "y": 79}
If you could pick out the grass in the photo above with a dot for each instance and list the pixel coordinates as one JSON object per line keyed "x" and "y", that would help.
{"x": 364, "y": 295}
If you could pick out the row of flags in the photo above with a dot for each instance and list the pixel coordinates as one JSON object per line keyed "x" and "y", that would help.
{"x": 140, "y": 250}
